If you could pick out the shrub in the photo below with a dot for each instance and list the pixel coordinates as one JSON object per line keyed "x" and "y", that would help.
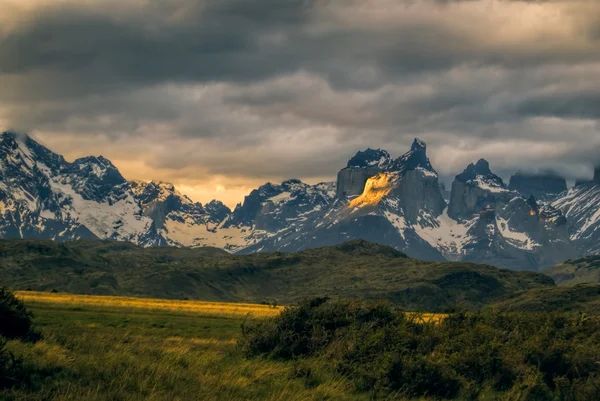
{"x": 310, "y": 327}
{"x": 10, "y": 367}
{"x": 15, "y": 318}
{"x": 523, "y": 356}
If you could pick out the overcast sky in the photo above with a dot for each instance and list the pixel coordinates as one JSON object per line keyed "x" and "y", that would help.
{"x": 220, "y": 96}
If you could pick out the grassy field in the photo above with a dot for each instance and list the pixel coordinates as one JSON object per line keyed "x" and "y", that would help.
{"x": 116, "y": 348}
{"x": 199, "y": 308}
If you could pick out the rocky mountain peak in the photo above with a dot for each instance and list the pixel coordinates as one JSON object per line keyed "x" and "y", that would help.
{"x": 214, "y": 204}
{"x": 11, "y": 142}
{"x": 418, "y": 145}
{"x": 416, "y": 157}
{"x": 8, "y": 138}
{"x": 155, "y": 191}
{"x": 475, "y": 188}
{"x": 370, "y": 158}
{"x": 95, "y": 178}
{"x": 597, "y": 175}
{"x": 217, "y": 211}
{"x": 98, "y": 166}
{"x": 293, "y": 185}
{"x": 480, "y": 172}
{"x": 482, "y": 167}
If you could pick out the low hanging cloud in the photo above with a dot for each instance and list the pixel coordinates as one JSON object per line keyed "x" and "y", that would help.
{"x": 221, "y": 96}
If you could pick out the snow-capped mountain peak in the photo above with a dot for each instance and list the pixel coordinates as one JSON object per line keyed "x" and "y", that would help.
{"x": 370, "y": 158}
{"x": 413, "y": 159}
{"x": 397, "y": 202}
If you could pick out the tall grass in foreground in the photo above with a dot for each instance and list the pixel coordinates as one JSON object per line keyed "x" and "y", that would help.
{"x": 112, "y": 352}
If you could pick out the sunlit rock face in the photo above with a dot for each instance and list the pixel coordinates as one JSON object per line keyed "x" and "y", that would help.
{"x": 352, "y": 179}
{"x": 376, "y": 189}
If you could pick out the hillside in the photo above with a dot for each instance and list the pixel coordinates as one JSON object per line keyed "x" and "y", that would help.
{"x": 576, "y": 271}
{"x": 352, "y": 269}
{"x": 579, "y": 298}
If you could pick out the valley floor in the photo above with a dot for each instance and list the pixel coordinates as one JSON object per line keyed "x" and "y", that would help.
{"x": 117, "y": 348}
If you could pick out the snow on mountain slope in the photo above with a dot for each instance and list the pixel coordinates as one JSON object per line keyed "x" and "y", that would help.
{"x": 446, "y": 235}
{"x": 88, "y": 193}
{"x": 397, "y": 202}
{"x": 402, "y": 206}
{"x": 581, "y": 207}
{"x": 119, "y": 218}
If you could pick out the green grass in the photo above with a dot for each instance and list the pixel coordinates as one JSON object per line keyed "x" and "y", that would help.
{"x": 120, "y": 353}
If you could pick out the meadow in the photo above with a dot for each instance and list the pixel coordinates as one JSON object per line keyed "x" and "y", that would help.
{"x": 117, "y": 348}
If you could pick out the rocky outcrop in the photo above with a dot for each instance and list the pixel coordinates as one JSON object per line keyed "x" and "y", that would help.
{"x": 419, "y": 191}
{"x": 216, "y": 211}
{"x": 160, "y": 201}
{"x": 416, "y": 157}
{"x": 273, "y": 207}
{"x": 542, "y": 186}
{"x": 351, "y": 180}
{"x": 475, "y": 189}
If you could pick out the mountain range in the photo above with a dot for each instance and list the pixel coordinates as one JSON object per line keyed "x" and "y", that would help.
{"x": 533, "y": 222}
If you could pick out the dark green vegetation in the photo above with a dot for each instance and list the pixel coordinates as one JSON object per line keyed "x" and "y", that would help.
{"x": 386, "y": 353}
{"x": 576, "y": 271}
{"x": 354, "y": 269}
{"x": 15, "y": 323}
{"x": 15, "y": 318}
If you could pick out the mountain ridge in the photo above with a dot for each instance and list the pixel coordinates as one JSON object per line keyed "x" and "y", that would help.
{"x": 397, "y": 202}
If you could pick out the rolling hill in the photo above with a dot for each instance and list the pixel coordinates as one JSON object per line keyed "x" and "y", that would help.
{"x": 576, "y": 271}
{"x": 578, "y": 298}
{"x": 353, "y": 269}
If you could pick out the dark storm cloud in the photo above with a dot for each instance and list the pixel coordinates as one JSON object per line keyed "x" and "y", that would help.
{"x": 249, "y": 40}
{"x": 563, "y": 105}
{"x": 272, "y": 88}
{"x": 73, "y": 50}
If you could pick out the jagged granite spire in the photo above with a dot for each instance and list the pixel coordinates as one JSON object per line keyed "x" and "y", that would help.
{"x": 476, "y": 188}
{"x": 479, "y": 169}
{"x": 416, "y": 157}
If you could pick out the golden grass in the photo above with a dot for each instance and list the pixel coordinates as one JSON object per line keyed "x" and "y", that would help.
{"x": 428, "y": 317}
{"x": 200, "y": 307}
